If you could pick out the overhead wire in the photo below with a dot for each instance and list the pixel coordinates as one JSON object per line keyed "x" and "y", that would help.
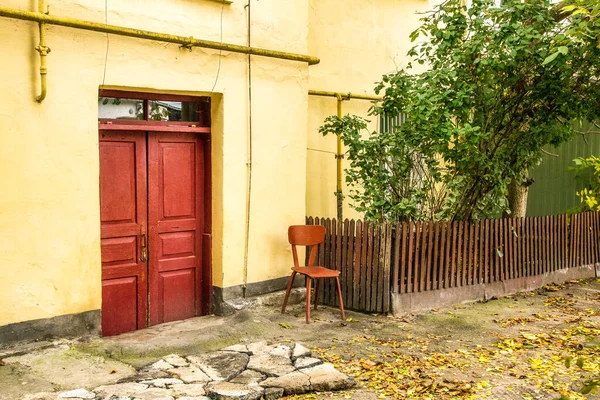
{"x": 107, "y": 41}
{"x": 220, "y": 51}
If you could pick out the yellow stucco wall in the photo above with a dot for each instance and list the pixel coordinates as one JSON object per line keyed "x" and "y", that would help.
{"x": 49, "y": 167}
{"x": 358, "y": 41}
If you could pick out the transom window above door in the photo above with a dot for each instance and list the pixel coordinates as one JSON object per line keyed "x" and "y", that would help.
{"x": 158, "y": 110}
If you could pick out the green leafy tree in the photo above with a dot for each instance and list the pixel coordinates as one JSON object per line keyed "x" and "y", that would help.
{"x": 587, "y": 172}
{"x": 496, "y": 85}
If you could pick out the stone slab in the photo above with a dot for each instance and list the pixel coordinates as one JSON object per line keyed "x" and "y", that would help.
{"x": 194, "y": 398}
{"x": 281, "y": 351}
{"x": 273, "y": 393}
{"x": 307, "y": 362}
{"x": 120, "y": 389}
{"x": 161, "y": 365}
{"x": 325, "y": 378}
{"x": 238, "y": 348}
{"x": 154, "y": 394}
{"x": 300, "y": 351}
{"x": 248, "y": 376}
{"x": 191, "y": 374}
{"x": 233, "y": 391}
{"x": 221, "y": 365}
{"x": 76, "y": 394}
{"x": 192, "y": 389}
{"x": 293, "y": 383}
{"x": 271, "y": 365}
{"x": 162, "y": 382}
{"x": 176, "y": 361}
{"x": 145, "y": 376}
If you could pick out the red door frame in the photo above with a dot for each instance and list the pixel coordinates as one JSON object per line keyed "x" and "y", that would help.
{"x": 204, "y": 298}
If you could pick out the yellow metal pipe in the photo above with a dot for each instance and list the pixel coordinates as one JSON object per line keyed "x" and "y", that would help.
{"x": 43, "y": 50}
{"x": 345, "y": 96}
{"x": 161, "y": 37}
{"x": 339, "y": 155}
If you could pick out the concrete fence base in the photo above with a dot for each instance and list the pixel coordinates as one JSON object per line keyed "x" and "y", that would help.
{"x": 421, "y": 301}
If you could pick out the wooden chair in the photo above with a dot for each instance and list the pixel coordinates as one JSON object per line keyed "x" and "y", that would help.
{"x": 310, "y": 236}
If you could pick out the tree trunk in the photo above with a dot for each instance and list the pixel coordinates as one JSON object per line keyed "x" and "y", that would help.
{"x": 517, "y": 198}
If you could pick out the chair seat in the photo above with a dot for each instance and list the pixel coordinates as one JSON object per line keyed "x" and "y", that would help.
{"x": 317, "y": 272}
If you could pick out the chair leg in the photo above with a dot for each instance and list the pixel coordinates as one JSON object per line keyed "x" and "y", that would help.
{"x": 339, "y": 290}
{"x": 317, "y": 287}
{"x": 308, "y": 284}
{"x": 287, "y": 292}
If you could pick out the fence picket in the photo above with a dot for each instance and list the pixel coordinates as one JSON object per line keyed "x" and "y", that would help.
{"x": 429, "y": 263}
{"x": 587, "y": 234}
{"x": 442, "y": 260}
{"x": 544, "y": 245}
{"x": 594, "y": 235}
{"x": 370, "y": 246}
{"x": 375, "y": 269}
{"x": 423, "y": 260}
{"x": 409, "y": 262}
{"x": 512, "y": 236}
{"x": 386, "y": 269}
{"x": 468, "y": 252}
{"x": 434, "y": 261}
{"x": 350, "y": 263}
{"x": 364, "y": 266}
{"x": 480, "y": 242}
{"x": 554, "y": 242}
{"x": 398, "y": 271}
{"x": 455, "y": 253}
{"x": 356, "y": 267}
{"x": 448, "y": 227}
{"x": 538, "y": 246}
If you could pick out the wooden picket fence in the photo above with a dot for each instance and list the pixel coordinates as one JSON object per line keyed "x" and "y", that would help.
{"x": 377, "y": 259}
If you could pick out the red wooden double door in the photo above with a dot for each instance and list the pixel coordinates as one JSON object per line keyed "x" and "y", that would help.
{"x": 152, "y": 206}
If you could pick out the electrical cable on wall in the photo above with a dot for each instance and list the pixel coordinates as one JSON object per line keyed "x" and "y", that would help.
{"x": 107, "y": 41}
{"x": 220, "y": 51}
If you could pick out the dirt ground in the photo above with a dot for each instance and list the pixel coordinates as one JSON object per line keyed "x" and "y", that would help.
{"x": 535, "y": 345}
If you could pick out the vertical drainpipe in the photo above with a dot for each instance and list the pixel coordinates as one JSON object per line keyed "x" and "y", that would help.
{"x": 339, "y": 156}
{"x": 43, "y": 50}
{"x": 248, "y": 162}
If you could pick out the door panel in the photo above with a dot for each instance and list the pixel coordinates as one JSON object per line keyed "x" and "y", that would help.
{"x": 119, "y": 305}
{"x": 176, "y": 225}
{"x": 177, "y": 294}
{"x": 123, "y": 216}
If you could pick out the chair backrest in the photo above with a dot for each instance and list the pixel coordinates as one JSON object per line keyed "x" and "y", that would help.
{"x": 306, "y": 235}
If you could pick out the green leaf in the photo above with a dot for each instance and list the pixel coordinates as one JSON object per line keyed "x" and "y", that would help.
{"x": 587, "y": 389}
{"x": 550, "y": 58}
{"x": 569, "y": 8}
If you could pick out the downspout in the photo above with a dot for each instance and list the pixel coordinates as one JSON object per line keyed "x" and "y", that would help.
{"x": 43, "y": 50}
{"x": 248, "y": 162}
{"x": 339, "y": 155}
